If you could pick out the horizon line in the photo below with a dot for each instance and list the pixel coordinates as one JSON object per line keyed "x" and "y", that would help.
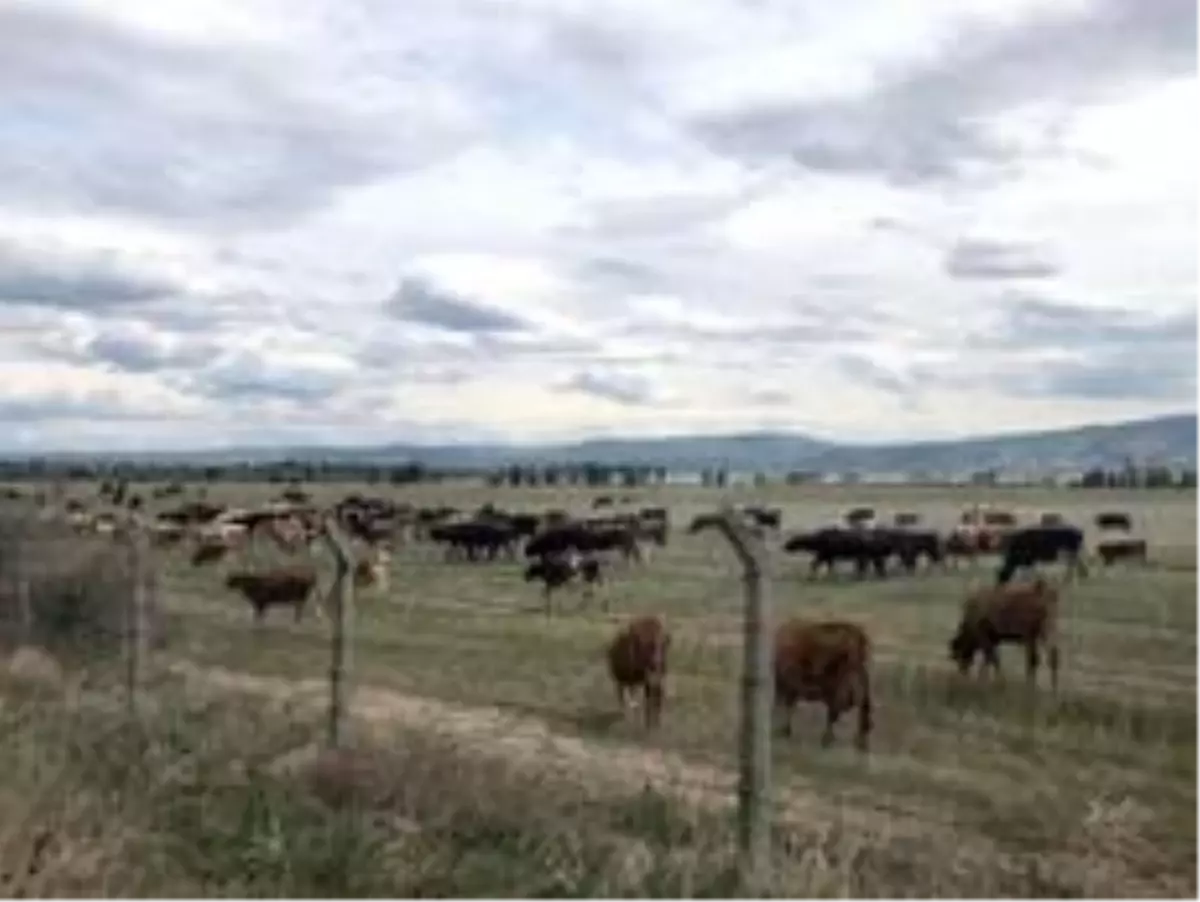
{"x": 283, "y": 447}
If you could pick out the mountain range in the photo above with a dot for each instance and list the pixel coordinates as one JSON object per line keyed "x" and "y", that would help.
{"x": 1166, "y": 440}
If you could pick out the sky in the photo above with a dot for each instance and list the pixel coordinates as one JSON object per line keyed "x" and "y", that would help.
{"x": 229, "y": 222}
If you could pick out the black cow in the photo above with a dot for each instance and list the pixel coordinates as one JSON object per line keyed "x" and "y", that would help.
{"x": 557, "y": 571}
{"x": 766, "y": 517}
{"x": 1114, "y": 520}
{"x": 560, "y": 540}
{"x": 475, "y": 539}
{"x": 910, "y": 545}
{"x": 835, "y": 543}
{"x": 1042, "y": 545}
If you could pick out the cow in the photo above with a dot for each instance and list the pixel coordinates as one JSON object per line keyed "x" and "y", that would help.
{"x": 474, "y": 539}
{"x": 637, "y": 656}
{"x": 283, "y": 586}
{"x": 766, "y": 517}
{"x": 1042, "y": 545}
{"x": 1026, "y": 613}
{"x": 1112, "y": 550}
{"x": 556, "y": 571}
{"x": 834, "y": 543}
{"x": 602, "y": 501}
{"x": 824, "y": 661}
{"x": 578, "y": 537}
{"x": 906, "y": 519}
{"x": 1114, "y": 520}
{"x": 860, "y": 516}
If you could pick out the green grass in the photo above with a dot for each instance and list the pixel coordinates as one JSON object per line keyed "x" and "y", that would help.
{"x": 968, "y": 790}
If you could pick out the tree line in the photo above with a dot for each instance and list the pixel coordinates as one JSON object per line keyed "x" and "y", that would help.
{"x": 589, "y": 474}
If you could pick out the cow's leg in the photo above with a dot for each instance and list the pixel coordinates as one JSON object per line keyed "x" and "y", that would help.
{"x": 783, "y": 708}
{"x": 833, "y": 710}
{"x": 991, "y": 658}
{"x": 1052, "y": 656}
{"x": 865, "y": 723}
{"x": 1031, "y": 662}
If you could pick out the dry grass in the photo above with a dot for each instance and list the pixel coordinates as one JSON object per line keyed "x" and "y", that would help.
{"x": 491, "y": 762}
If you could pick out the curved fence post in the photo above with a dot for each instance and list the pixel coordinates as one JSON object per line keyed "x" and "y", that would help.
{"x": 754, "y": 740}
{"x": 341, "y": 638}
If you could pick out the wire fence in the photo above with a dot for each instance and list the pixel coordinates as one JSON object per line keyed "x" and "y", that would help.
{"x": 111, "y": 598}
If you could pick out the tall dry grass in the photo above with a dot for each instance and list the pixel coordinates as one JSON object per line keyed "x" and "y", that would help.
{"x": 215, "y": 793}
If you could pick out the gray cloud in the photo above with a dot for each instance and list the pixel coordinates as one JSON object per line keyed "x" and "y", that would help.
{"x": 1029, "y": 322}
{"x": 418, "y": 301}
{"x": 985, "y": 259}
{"x": 928, "y": 122}
{"x": 97, "y": 117}
{"x": 90, "y": 282}
{"x": 244, "y": 376}
{"x": 138, "y": 353}
{"x": 629, "y": 390}
{"x": 1121, "y": 374}
{"x": 863, "y": 369}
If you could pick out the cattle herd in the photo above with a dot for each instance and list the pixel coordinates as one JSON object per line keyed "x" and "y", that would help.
{"x": 819, "y": 661}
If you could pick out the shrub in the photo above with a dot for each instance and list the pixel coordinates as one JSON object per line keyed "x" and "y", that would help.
{"x": 79, "y": 589}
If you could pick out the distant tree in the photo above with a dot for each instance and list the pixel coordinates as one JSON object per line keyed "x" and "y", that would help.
{"x": 514, "y": 476}
{"x": 1187, "y": 479}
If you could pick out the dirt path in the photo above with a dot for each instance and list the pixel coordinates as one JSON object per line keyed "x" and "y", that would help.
{"x": 1087, "y": 860}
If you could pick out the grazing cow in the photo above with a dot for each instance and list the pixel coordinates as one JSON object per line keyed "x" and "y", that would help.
{"x": 1114, "y": 520}
{"x": 1026, "y": 613}
{"x": 284, "y": 586}
{"x": 1042, "y": 545}
{"x": 824, "y": 661}
{"x": 602, "y": 501}
{"x": 637, "y": 656}
{"x": 555, "y": 572}
{"x": 1112, "y": 550}
{"x": 906, "y": 518}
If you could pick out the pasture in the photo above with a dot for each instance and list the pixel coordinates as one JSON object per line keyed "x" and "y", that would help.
{"x": 969, "y": 788}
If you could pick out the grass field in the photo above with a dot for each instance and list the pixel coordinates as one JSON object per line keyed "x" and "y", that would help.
{"x": 494, "y": 708}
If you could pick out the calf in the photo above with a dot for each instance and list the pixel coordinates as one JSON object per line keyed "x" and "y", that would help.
{"x": 285, "y": 586}
{"x": 828, "y": 662}
{"x": 1015, "y": 612}
{"x": 637, "y": 656}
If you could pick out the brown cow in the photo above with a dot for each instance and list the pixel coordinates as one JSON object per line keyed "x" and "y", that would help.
{"x": 637, "y": 656}
{"x": 283, "y": 586}
{"x": 1112, "y": 550}
{"x": 1013, "y": 612}
{"x": 824, "y": 661}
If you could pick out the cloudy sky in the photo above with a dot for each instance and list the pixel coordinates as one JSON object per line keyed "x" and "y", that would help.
{"x": 232, "y": 221}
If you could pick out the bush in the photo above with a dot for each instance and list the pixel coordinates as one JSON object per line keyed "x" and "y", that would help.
{"x": 79, "y": 589}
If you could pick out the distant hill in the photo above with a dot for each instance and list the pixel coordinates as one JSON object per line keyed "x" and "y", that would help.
{"x": 1169, "y": 440}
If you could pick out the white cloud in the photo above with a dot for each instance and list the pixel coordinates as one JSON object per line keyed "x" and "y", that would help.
{"x": 636, "y": 219}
